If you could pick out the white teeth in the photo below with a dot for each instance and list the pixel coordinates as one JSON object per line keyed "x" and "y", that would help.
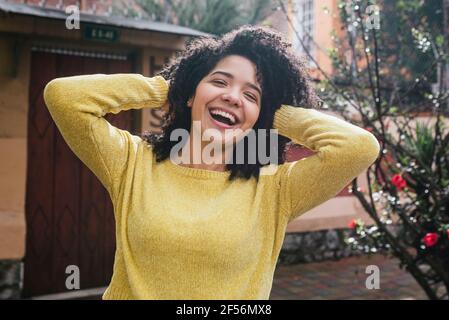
{"x": 223, "y": 114}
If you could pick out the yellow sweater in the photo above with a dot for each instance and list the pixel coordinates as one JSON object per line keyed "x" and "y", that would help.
{"x": 185, "y": 233}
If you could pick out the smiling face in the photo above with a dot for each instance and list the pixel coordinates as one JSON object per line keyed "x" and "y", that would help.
{"x": 229, "y": 97}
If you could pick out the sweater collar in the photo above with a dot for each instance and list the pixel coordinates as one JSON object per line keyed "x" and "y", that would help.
{"x": 195, "y": 172}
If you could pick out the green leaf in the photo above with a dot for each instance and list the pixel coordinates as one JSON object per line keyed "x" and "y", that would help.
{"x": 439, "y": 40}
{"x": 393, "y": 109}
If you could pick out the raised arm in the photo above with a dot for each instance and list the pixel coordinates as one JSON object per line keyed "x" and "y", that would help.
{"x": 77, "y": 105}
{"x": 343, "y": 151}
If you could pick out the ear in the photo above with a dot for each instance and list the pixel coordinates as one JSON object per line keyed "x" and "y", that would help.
{"x": 190, "y": 102}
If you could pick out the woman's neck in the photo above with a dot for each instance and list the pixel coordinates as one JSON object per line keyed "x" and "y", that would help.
{"x": 194, "y": 155}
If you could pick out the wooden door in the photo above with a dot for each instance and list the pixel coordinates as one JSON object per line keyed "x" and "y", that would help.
{"x": 69, "y": 214}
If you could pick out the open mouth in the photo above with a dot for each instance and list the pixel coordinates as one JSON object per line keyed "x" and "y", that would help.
{"x": 225, "y": 118}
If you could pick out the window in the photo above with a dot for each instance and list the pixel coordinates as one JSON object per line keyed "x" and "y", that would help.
{"x": 303, "y": 19}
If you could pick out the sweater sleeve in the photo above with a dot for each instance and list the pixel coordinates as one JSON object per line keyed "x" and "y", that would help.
{"x": 343, "y": 151}
{"x": 77, "y": 105}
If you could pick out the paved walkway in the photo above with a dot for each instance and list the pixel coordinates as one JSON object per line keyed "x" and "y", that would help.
{"x": 344, "y": 279}
{"x": 329, "y": 280}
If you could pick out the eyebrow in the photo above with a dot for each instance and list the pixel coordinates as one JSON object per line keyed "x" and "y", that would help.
{"x": 226, "y": 74}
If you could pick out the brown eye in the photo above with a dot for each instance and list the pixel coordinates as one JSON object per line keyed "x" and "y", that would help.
{"x": 221, "y": 82}
{"x": 251, "y": 97}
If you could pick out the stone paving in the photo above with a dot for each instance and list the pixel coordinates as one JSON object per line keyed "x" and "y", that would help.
{"x": 344, "y": 280}
{"x": 337, "y": 280}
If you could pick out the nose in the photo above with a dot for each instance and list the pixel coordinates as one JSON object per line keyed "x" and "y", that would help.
{"x": 232, "y": 98}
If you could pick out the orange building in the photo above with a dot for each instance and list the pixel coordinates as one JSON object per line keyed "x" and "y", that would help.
{"x": 311, "y": 27}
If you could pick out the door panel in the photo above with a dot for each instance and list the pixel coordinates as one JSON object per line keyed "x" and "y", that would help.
{"x": 69, "y": 213}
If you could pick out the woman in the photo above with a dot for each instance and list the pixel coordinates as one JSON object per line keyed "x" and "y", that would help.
{"x": 187, "y": 228}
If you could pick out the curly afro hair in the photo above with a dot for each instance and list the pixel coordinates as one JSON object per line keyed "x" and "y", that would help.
{"x": 280, "y": 72}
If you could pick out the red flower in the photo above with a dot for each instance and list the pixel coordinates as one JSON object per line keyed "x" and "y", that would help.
{"x": 398, "y": 181}
{"x": 430, "y": 239}
{"x": 353, "y": 224}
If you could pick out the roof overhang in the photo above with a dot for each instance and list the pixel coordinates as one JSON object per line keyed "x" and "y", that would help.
{"x": 135, "y": 24}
